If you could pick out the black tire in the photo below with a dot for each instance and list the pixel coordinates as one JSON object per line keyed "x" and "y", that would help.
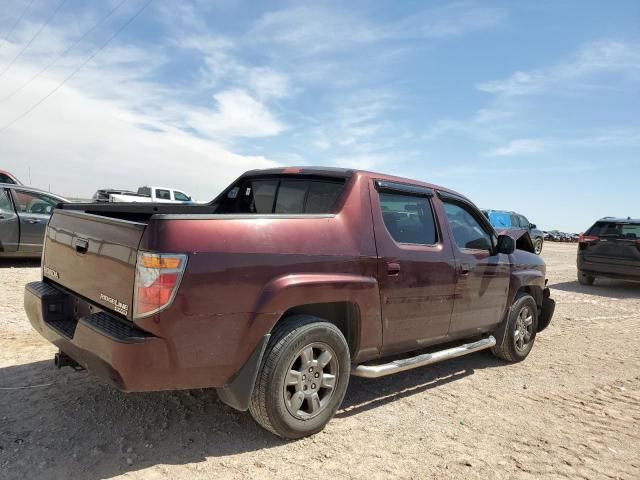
{"x": 537, "y": 246}
{"x": 509, "y": 348}
{"x": 584, "y": 279}
{"x": 272, "y": 400}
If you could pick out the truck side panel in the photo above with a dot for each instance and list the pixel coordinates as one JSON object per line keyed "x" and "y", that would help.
{"x": 238, "y": 283}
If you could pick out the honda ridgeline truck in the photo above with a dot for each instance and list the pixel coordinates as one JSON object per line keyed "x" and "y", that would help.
{"x": 290, "y": 281}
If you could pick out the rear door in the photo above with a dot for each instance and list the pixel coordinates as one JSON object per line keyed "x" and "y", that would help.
{"x": 618, "y": 243}
{"x": 9, "y": 224}
{"x": 34, "y": 210}
{"x": 416, "y": 268}
{"x": 483, "y": 275}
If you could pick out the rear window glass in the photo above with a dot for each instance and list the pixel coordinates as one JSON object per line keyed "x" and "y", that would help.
{"x": 616, "y": 230}
{"x": 291, "y": 196}
{"x": 282, "y": 196}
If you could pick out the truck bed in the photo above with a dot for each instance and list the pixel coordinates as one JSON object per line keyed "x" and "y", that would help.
{"x": 137, "y": 212}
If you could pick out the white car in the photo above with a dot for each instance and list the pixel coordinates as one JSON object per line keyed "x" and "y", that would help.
{"x": 152, "y": 195}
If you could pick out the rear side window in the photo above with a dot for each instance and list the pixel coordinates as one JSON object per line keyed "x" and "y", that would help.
{"x": 163, "y": 194}
{"x": 408, "y": 219}
{"x": 282, "y": 196}
{"x": 5, "y": 201}
{"x": 467, "y": 230}
{"x": 6, "y": 179}
{"x": 623, "y": 230}
{"x": 28, "y": 202}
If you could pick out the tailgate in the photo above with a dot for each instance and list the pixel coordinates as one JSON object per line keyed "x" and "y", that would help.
{"x": 94, "y": 257}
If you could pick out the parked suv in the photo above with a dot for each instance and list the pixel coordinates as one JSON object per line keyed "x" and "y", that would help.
{"x": 504, "y": 220}
{"x": 610, "y": 248}
{"x": 289, "y": 282}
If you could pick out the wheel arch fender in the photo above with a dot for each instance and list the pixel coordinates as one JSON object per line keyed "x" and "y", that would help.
{"x": 310, "y": 293}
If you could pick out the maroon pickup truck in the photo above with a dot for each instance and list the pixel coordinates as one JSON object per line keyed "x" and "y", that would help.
{"x": 290, "y": 281}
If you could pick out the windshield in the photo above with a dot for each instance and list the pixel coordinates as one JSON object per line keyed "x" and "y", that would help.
{"x": 624, "y": 230}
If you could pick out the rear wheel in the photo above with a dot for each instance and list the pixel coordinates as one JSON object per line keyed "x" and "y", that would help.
{"x": 537, "y": 246}
{"x": 303, "y": 377}
{"x": 521, "y": 328}
{"x": 584, "y": 279}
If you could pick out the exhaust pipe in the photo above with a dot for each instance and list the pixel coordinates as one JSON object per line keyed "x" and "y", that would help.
{"x": 61, "y": 359}
{"x": 375, "y": 371}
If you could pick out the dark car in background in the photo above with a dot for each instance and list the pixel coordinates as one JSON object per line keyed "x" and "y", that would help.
{"x": 610, "y": 248}
{"x": 506, "y": 220}
{"x": 6, "y": 177}
{"x": 24, "y": 214}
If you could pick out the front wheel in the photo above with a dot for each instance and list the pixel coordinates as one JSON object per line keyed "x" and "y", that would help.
{"x": 303, "y": 377}
{"x": 584, "y": 279}
{"x": 520, "y": 332}
{"x": 537, "y": 246}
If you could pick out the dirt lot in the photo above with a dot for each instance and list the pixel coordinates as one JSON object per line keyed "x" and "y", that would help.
{"x": 571, "y": 410}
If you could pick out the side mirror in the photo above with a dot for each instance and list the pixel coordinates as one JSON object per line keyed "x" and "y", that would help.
{"x": 532, "y": 226}
{"x": 506, "y": 244}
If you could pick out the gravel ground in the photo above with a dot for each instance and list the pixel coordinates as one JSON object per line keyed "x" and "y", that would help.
{"x": 571, "y": 410}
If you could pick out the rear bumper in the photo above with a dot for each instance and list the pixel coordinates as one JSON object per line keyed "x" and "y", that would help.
{"x": 129, "y": 358}
{"x": 617, "y": 270}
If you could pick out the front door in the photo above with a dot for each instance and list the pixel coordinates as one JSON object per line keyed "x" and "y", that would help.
{"x": 483, "y": 275}
{"x": 9, "y": 227}
{"x": 416, "y": 267}
{"x": 34, "y": 211}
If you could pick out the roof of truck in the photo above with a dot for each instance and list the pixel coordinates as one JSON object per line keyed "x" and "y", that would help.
{"x": 346, "y": 172}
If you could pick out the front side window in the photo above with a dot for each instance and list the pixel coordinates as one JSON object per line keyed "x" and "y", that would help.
{"x": 409, "y": 219}
{"x": 181, "y": 196}
{"x": 163, "y": 194}
{"x": 468, "y": 233}
{"x": 28, "y": 202}
{"x": 524, "y": 223}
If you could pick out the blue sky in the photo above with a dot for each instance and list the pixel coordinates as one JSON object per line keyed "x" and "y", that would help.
{"x": 525, "y": 106}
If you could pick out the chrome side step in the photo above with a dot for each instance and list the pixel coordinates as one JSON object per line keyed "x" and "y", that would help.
{"x": 375, "y": 371}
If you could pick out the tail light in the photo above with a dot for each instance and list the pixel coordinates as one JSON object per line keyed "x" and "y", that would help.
{"x": 157, "y": 280}
{"x": 588, "y": 238}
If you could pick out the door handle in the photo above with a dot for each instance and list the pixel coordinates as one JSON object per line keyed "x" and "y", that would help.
{"x": 393, "y": 269}
{"x": 81, "y": 245}
{"x": 465, "y": 269}
{"x": 33, "y": 220}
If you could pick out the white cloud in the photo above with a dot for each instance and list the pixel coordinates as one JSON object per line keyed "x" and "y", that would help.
{"x": 595, "y": 58}
{"x": 312, "y": 29}
{"x": 518, "y": 147}
{"x": 238, "y": 115}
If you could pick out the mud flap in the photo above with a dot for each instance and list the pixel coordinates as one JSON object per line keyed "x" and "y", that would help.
{"x": 546, "y": 313}
{"x": 238, "y": 393}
